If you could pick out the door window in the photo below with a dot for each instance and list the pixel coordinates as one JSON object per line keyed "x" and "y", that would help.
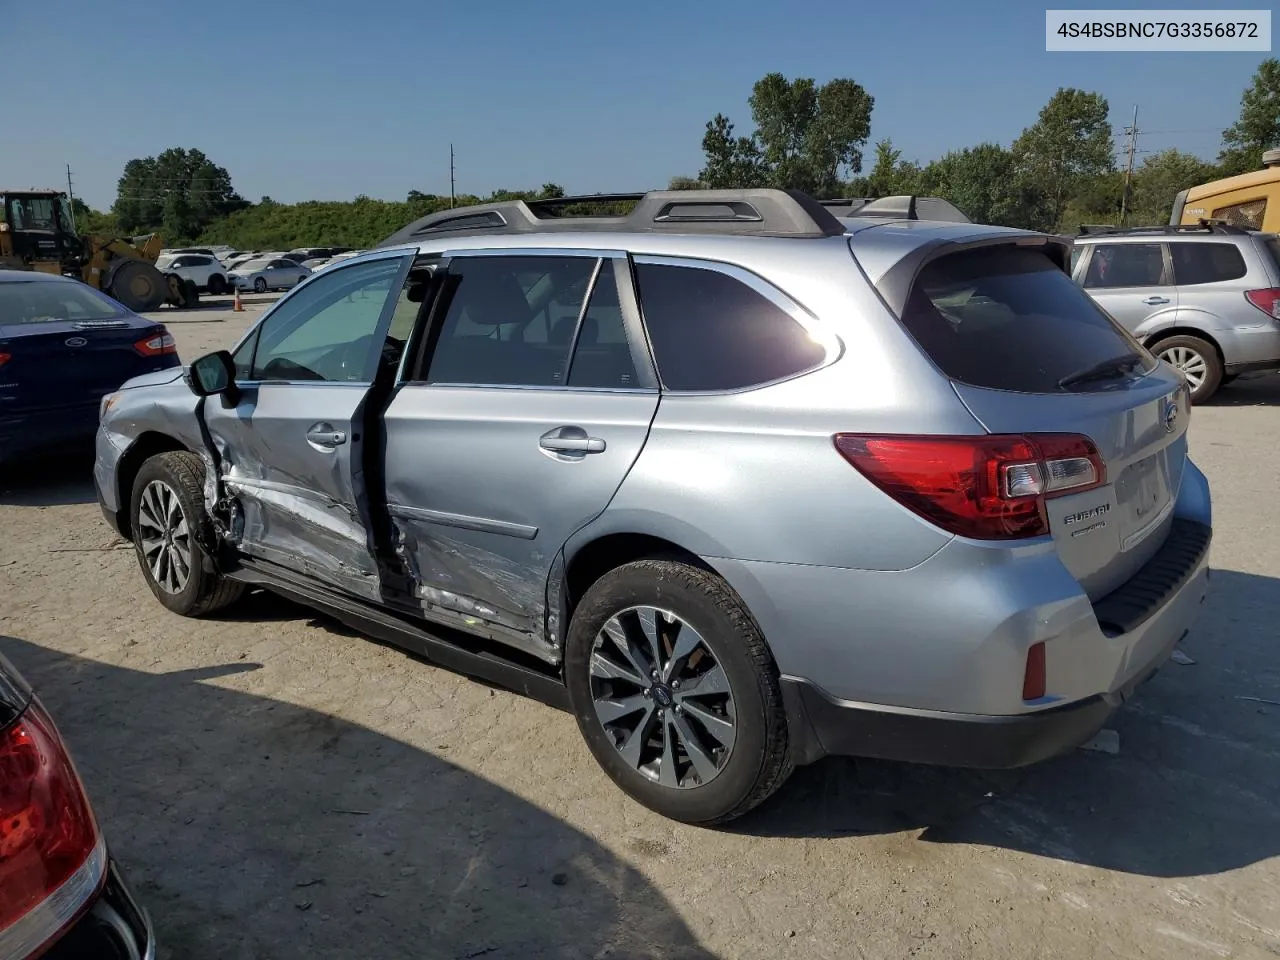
{"x": 1197, "y": 262}
{"x": 326, "y": 330}
{"x": 602, "y": 356}
{"x": 1125, "y": 265}
{"x": 503, "y": 325}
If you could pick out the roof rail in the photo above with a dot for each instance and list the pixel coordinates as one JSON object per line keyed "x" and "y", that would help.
{"x": 909, "y": 207}
{"x": 755, "y": 212}
{"x": 1205, "y": 224}
{"x": 846, "y": 206}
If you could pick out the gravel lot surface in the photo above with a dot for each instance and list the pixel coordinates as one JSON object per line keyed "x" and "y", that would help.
{"x": 278, "y": 787}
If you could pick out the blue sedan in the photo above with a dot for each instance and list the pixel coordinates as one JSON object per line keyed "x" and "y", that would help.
{"x": 63, "y": 346}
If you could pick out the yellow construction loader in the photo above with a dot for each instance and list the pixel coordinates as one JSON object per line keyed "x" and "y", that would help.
{"x": 37, "y": 232}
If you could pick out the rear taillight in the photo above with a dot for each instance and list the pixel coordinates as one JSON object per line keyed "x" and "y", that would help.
{"x": 987, "y": 487}
{"x": 1268, "y": 301}
{"x": 157, "y": 345}
{"x": 4, "y": 358}
{"x": 52, "y": 857}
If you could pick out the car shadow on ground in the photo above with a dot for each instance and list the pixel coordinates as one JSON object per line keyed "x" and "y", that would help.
{"x": 1192, "y": 790}
{"x": 50, "y": 480}
{"x": 255, "y": 828}
{"x": 1251, "y": 390}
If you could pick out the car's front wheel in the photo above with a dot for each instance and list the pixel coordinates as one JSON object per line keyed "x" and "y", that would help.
{"x": 676, "y": 692}
{"x": 169, "y": 525}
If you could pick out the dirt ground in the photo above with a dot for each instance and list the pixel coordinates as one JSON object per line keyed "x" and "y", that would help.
{"x": 278, "y": 787}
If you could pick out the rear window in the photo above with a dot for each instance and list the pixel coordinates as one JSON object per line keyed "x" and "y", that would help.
{"x": 1196, "y": 262}
{"x": 38, "y": 301}
{"x": 711, "y": 331}
{"x": 1010, "y": 319}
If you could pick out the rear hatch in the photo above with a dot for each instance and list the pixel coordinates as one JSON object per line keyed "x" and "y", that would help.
{"x": 1028, "y": 352}
{"x": 65, "y": 345}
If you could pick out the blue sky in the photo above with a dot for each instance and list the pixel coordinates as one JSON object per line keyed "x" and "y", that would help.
{"x": 327, "y": 99}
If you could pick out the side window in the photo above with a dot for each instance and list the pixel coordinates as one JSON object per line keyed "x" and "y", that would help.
{"x": 243, "y": 357}
{"x": 1125, "y": 265}
{"x": 603, "y": 357}
{"x": 325, "y": 331}
{"x": 182, "y": 262}
{"x": 1248, "y": 214}
{"x": 1195, "y": 262}
{"x": 503, "y": 320}
{"x": 711, "y": 331}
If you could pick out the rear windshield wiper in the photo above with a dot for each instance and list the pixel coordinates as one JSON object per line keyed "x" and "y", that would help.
{"x": 1105, "y": 370}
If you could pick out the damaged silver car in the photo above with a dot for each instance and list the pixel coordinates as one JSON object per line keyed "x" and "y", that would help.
{"x": 737, "y": 482}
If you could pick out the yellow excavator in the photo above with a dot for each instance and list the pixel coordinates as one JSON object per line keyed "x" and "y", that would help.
{"x": 37, "y": 232}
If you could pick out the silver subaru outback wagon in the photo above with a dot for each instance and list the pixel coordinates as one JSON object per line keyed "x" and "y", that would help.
{"x": 736, "y": 482}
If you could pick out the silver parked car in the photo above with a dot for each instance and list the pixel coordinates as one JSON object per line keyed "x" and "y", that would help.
{"x": 274, "y": 273}
{"x": 1204, "y": 299}
{"x": 738, "y": 483}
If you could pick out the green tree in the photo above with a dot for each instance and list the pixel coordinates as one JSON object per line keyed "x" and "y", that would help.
{"x": 95, "y": 222}
{"x": 982, "y": 182}
{"x": 1068, "y": 144}
{"x": 685, "y": 183}
{"x": 1258, "y": 127}
{"x": 179, "y": 192}
{"x": 1158, "y": 181}
{"x": 890, "y": 175}
{"x": 730, "y": 161}
{"x": 806, "y": 138}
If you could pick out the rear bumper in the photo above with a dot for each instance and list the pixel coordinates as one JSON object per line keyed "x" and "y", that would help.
{"x": 822, "y": 725}
{"x": 115, "y": 926}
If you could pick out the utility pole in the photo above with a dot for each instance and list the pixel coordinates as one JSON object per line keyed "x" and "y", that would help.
{"x": 451, "y": 180}
{"x": 71, "y": 200}
{"x": 1132, "y": 131}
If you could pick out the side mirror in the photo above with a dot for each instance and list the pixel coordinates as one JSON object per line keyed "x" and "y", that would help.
{"x": 212, "y": 374}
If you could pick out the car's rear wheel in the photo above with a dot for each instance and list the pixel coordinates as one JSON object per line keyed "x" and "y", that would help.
{"x": 260, "y": 285}
{"x": 1195, "y": 359}
{"x": 217, "y": 284}
{"x": 676, "y": 692}
{"x": 170, "y": 526}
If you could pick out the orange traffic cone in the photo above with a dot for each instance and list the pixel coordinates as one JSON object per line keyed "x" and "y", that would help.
{"x": 237, "y": 307}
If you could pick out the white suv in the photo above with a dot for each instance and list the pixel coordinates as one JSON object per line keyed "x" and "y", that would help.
{"x": 205, "y": 272}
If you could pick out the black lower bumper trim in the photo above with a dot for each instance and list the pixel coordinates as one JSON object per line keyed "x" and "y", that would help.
{"x": 946, "y": 739}
{"x": 116, "y": 927}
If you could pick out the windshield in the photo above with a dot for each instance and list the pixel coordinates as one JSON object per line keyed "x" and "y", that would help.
{"x": 39, "y": 301}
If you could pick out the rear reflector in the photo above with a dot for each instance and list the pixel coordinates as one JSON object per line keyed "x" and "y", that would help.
{"x": 987, "y": 487}
{"x": 157, "y": 345}
{"x": 1033, "y": 680}
{"x": 52, "y": 858}
{"x": 1268, "y": 301}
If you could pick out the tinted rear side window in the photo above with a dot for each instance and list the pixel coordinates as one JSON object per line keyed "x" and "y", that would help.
{"x": 1205, "y": 263}
{"x": 1009, "y": 319}
{"x": 711, "y": 331}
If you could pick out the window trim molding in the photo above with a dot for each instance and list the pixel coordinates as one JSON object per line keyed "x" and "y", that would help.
{"x": 820, "y": 332}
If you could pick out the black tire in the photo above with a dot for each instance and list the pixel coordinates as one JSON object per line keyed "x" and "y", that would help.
{"x": 759, "y": 760}
{"x": 1199, "y": 355}
{"x": 138, "y": 285}
{"x": 260, "y": 285}
{"x": 217, "y": 284}
{"x": 203, "y": 590}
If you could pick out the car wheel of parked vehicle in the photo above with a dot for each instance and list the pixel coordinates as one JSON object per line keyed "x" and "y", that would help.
{"x": 217, "y": 284}
{"x": 260, "y": 285}
{"x": 169, "y": 522}
{"x": 1195, "y": 359}
{"x": 676, "y": 692}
